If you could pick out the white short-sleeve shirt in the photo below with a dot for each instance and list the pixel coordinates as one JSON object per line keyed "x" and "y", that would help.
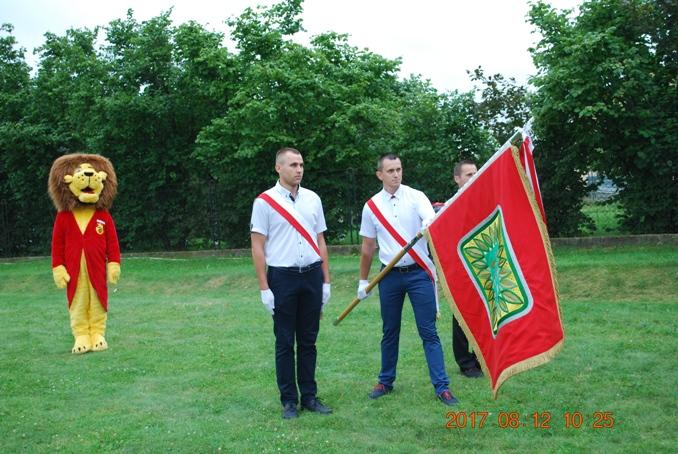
{"x": 284, "y": 244}
{"x": 405, "y": 210}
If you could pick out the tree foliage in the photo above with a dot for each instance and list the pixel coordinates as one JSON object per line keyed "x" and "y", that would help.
{"x": 20, "y": 142}
{"x": 606, "y": 100}
{"x": 503, "y": 106}
{"x": 438, "y": 131}
{"x": 192, "y": 128}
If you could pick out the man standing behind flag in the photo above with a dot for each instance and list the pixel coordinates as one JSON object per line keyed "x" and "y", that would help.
{"x": 287, "y": 237}
{"x": 497, "y": 269}
{"x": 466, "y": 359}
{"x": 393, "y": 216}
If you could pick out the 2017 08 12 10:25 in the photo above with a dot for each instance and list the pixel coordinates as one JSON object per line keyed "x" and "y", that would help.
{"x": 536, "y": 420}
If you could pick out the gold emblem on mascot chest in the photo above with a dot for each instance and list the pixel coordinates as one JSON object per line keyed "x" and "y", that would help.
{"x": 100, "y": 229}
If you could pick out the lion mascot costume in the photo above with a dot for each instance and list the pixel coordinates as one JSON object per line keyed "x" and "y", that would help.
{"x": 85, "y": 248}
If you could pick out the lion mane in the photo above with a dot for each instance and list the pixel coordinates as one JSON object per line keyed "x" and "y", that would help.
{"x": 61, "y": 195}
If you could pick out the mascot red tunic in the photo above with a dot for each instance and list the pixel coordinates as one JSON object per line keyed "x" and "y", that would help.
{"x": 85, "y": 248}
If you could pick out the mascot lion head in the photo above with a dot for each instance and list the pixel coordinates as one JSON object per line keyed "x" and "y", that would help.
{"x": 82, "y": 179}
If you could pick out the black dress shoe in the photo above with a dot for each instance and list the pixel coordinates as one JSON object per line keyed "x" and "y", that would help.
{"x": 472, "y": 372}
{"x": 289, "y": 411}
{"x": 317, "y": 406}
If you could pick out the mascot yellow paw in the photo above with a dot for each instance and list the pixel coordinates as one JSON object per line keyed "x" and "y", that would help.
{"x": 98, "y": 343}
{"x": 113, "y": 271}
{"x": 61, "y": 277}
{"x": 83, "y": 344}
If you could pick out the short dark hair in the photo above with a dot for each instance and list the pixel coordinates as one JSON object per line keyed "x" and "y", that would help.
{"x": 284, "y": 150}
{"x": 458, "y": 166}
{"x": 390, "y": 156}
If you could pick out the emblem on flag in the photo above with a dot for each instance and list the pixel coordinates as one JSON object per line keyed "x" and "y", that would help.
{"x": 490, "y": 261}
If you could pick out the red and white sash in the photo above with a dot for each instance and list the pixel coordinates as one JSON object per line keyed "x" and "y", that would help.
{"x": 423, "y": 262}
{"x": 292, "y": 216}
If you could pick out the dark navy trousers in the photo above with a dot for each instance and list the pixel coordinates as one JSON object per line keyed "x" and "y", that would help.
{"x": 464, "y": 358}
{"x": 298, "y": 301}
{"x": 419, "y": 287}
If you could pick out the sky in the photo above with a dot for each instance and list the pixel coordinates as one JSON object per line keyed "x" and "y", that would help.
{"x": 438, "y": 39}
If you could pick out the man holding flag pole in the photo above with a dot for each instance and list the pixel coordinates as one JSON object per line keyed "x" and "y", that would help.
{"x": 492, "y": 248}
{"x": 392, "y": 217}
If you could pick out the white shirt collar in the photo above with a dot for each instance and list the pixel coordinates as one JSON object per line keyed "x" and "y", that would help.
{"x": 284, "y": 192}
{"x": 388, "y": 196}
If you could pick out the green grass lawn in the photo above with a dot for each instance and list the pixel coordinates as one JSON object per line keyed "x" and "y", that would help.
{"x": 190, "y": 367}
{"x": 605, "y": 217}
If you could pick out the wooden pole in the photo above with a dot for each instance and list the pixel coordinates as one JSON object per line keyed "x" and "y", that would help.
{"x": 379, "y": 277}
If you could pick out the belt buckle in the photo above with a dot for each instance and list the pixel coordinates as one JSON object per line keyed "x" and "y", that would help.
{"x": 410, "y": 268}
{"x": 305, "y": 268}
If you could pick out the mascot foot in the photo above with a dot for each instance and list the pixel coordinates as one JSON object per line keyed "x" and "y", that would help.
{"x": 83, "y": 344}
{"x": 98, "y": 343}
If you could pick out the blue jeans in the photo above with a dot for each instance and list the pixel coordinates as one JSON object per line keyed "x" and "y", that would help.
{"x": 418, "y": 286}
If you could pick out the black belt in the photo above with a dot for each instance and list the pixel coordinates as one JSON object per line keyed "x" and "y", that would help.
{"x": 299, "y": 269}
{"x": 406, "y": 269}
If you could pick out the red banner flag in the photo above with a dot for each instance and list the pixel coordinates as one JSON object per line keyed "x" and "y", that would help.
{"x": 496, "y": 267}
{"x": 527, "y": 160}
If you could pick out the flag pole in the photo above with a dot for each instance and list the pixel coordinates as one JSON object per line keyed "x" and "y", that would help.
{"x": 518, "y": 132}
{"x": 379, "y": 277}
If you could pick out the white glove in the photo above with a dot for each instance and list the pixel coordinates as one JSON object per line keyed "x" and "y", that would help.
{"x": 362, "y": 285}
{"x": 326, "y": 293}
{"x": 268, "y": 299}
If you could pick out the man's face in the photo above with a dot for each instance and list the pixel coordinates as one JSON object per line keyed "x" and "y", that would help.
{"x": 290, "y": 168}
{"x": 391, "y": 174}
{"x": 467, "y": 171}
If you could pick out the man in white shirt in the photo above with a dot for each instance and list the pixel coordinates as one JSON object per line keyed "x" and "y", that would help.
{"x": 291, "y": 262}
{"x": 392, "y": 218}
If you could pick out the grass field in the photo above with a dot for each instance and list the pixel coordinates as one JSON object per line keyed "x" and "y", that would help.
{"x": 190, "y": 367}
{"x": 605, "y": 217}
